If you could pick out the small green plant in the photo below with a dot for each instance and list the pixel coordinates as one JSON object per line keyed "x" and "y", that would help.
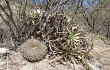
{"x": 74, "y": 36}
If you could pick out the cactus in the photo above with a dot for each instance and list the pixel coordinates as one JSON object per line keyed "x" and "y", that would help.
{"x": 33, "y": 50}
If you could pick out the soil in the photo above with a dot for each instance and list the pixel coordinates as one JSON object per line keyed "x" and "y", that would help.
{"x": 99, "y": 59}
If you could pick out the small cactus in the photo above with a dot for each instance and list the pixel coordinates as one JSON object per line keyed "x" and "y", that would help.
{"x": 33, "y": 50}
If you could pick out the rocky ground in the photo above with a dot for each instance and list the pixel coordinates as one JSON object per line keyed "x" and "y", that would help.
{"x": 100, "y": 52}
{"x": 99, "y": 60}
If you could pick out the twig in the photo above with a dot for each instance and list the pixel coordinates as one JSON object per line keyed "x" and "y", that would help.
{"x": 7, "y": 61}
{"x": 105, "y": 50}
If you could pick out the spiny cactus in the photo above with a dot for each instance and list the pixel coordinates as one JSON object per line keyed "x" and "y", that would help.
{"x": 33, "y": 50}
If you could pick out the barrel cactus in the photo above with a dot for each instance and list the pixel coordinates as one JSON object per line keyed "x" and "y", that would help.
{"x": 33, "y": 50}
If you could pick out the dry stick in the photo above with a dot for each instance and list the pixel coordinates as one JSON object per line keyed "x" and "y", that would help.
{"x": 105, "y": 50}
{"x": 10, "y": 17}
{"x": 7, "y": 61}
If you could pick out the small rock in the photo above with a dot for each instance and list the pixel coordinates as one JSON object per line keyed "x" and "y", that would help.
{"x": 3, "y": 50}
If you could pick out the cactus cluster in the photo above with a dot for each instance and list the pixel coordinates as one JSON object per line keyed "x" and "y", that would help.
{"x": 60, "y": 35}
